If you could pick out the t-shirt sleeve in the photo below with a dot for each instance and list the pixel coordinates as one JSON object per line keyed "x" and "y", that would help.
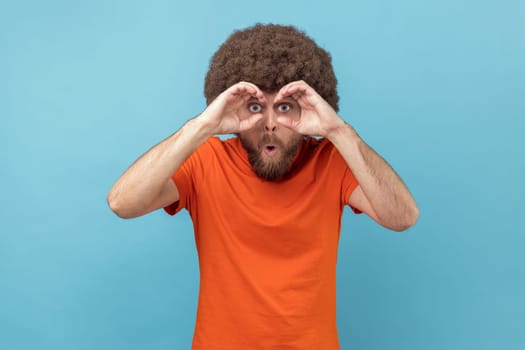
{"x": 348, "y": 181}
{"x": 183, "y": 180}
{"x": 349, "y": 185}
{"x": 186, "y": 179}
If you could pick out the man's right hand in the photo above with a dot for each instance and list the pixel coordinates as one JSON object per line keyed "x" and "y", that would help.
{"x": 147, "y": 184}
{"x": 227, "y": 114}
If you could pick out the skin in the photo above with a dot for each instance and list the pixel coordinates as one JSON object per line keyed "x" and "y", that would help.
{"x": 270, "y": 146}
{"x": 381, "y": 194}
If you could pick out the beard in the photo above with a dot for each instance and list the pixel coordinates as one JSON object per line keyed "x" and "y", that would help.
{"x": 271, "y": 168}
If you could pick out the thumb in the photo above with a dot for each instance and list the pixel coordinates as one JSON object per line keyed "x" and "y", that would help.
{"x": 287, "y": 122}
{"x": 248, "y": 123}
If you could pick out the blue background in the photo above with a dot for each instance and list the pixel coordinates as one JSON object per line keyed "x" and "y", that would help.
{"x": 436, "y": 87}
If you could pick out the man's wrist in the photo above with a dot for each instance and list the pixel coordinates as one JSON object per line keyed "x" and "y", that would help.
{"x": 200, "y": 127}
{"x": 343, "y": 132}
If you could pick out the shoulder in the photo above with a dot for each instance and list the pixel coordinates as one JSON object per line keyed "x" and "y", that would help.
{"x": 213, "y": 142}
{"x": 325, "y": 156}
{"x": 212, "y": 145}
{"x": 315, "y": 155}
{"x": 204, "y": 153}
{"x": 317, "y": 144}
{"x": 216, "y": 149}
{"x": 319, "y": 148}
{"x": 216, "y": 142}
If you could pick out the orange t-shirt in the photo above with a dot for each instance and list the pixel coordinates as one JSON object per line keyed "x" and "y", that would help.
{"x": 267, "y": 250}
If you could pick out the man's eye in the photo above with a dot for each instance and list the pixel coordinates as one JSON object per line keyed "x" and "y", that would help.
{"x": 254, "y": 108}
{"x": 284, "y": 107}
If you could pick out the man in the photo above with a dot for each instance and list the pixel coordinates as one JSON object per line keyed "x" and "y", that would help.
{"x": 266, "y": 205}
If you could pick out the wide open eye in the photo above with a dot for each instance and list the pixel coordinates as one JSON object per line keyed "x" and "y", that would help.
{"x": 254, "y": 107}
{"x": 284, "y": 107}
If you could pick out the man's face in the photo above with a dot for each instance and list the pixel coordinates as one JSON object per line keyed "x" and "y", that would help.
{"x": 271, "y": 147}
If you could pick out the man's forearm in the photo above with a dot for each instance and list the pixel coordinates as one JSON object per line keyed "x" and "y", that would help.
{"x": 143, "y": 181}
{"x": 384, "y": 189}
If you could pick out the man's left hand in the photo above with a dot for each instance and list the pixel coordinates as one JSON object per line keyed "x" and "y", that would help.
{"x": 318, "y": 118}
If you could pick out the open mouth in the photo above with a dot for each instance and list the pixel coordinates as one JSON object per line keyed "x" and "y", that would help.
{"x": 270, "y": 149}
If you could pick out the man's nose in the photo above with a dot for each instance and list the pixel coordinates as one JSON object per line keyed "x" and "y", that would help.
{"x": 270, "y": 121}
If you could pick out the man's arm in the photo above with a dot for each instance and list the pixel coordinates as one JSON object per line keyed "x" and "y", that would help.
{"x": 146, "y": 185}
{"x": 381, "y": 193}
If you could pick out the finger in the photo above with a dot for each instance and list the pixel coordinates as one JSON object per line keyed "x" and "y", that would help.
{"x": 240, "y": 98}
{"x": 244, "y": 87}
{"x": 286, "y": 122}
{"x": 295, "y": 90}
{"x": 246, "y": 99}
{"x": 239, "y": 94}
{"x": 249, "y": 122}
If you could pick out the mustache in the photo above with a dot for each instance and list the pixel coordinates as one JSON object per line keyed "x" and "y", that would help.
{"x": 268, "y": 138}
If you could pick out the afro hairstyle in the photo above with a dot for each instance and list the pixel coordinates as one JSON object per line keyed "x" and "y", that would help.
{"x": 271, "y": 56}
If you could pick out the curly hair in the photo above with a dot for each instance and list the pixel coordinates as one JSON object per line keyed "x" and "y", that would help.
{"x": 270, "y": 56}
